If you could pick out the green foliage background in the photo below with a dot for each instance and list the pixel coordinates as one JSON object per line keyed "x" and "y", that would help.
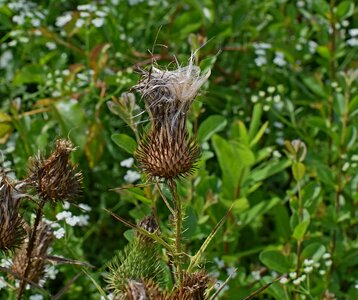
{"x": 281, "y": 70}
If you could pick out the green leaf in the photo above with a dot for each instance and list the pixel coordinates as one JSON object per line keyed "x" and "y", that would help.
{"x": 210, "y": 126}
{"x": 298, "y": 170}
{"x": 301, "y": 228}
{"x": 314, "y": 85}
{"x": 313, "y": 251}
{"x": 124, "y": 141}
{"x": 275, "y": 261}
{"x": 259, "y": 134}
{"x": 255, "y": 121}
{"x": 345, "y": 9}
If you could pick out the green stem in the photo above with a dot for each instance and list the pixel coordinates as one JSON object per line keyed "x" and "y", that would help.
{"x": 178, "y": 227}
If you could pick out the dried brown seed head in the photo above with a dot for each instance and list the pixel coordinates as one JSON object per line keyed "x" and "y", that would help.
{"x": 169, "y": 94}
{"x": 55, "y": 178}
{"x": 193, "y": 287}
{"x": 44, "y": 237}
{"x": 168, "y": 157}
{"x": 144, "y": 290}
{"x": 11, "y": 223}
{"x": 149, "y": 224}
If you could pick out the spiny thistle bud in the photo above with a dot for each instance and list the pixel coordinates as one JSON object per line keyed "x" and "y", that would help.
{"x": 137, "y": 262}
{"x": 44, "y": 237}
{"x": 12, "y": 225}
{"x": 55, "y": 178}
{"x": 193, "y": 287}
{"x": 167, "y": 151}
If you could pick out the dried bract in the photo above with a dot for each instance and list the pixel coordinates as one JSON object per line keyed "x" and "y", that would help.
{"x": 44, "y": 237}
{"x": 193, "y": 287}
{"x": 11, "y": 228}
{"x": 55, "y": 178}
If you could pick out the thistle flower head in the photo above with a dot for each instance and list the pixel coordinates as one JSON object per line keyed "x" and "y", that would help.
{"x": 44, "y": 237}
{"x": 11, "y": 229}
{"x": 144, "y": 290}
{"x": 149, "y": 224}
{"x": 55, "y": 178}
{"x": 164, "y": 156}
{"x": 167, "y": 151}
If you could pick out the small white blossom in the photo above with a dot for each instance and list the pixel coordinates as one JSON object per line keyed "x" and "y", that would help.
{"x": 284, "y": 280}
{"x": 254, "y": 98}
{"x": 73, "y": 220}
{"x": 66, "y": 205}
{"x": 353, "y": 32}
{"x": 293, "y": 275}
{"x": 131, "y": 176}
{"x": 327, "y": 255}
{"x": 80, "y": 23}
{"x": 98, "y": 22}
{"x": 231, "y": 271}
{"x": 352, "y": 42}
{"x": 36, "y": 297}
{"x": 296, "y": 281}
{"x": 328, "y": 263}
{"x": 83, "y": 220}
{"x": 279, "y": 59}
{"x": 308, "y": 262}
{"x": 271, "y": 89}
{"x": 220, "y": 263}
{"x": 51, "y": 45}
{"x": 50, "y": 272}
{"x": 260, "y": 61}
{"x": 85, "y": 207}
{"x": 63, "y": 20}
{"x": 322, "y": 272}
{"x": 127, "y": 163}
{"x": 262, "y": 93}
{"x": 276, "y": 154}
{"x": 308, "y": 269}
{"x": 256, "y": 275}
{"x": 63, "y": 215}
{"x": 59, "y": 233}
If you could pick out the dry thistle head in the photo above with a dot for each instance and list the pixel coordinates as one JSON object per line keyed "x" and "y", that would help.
{"x": 167, "y": 151}
{"x": 168, "y": 94}
{"x": 193, "y": 287}
{"x": 55, "y": 178}
{"x": 42, "y": 243}
{"x": 168, "y": 157}
{"x": 12, "y": 230}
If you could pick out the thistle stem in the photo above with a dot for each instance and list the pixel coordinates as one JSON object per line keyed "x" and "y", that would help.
{"x": 30, "y": 246}
{"x": 178, "y": 226}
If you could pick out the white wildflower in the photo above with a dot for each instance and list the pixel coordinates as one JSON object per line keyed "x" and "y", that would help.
{"x": 59, "y": 233}
{"x": 219, "y": 262}
{"x": 322, "y": 272}
{"x": 63, "y": 20}
{"x": 73, "y": 220}
{"x": 131, "y": 176}
{"x": 36, "y": 297}
{"x": 84, "y": 207}
{"x": 51, "y": 45}
{"x": 50, "y": 272}
{"x": 308, "y": 269}
{"x": 328, "y": 263}
{"x": 127, "y": 163}
{"x": 284, "y": 280}
{"x": 231, "y": 271}
{"x": 260, "y": 61}
{"x": 308, "y": 262}
{"x": 254, "y": 98}
{"x": 83, "y": 220}
{"x": 271, "y": 89}
{"x": 353, "y": 32}
{"x": 293, "y": 275}
{"x": 80, "y": 23}
{"x": 63, "y": 215}
{"x": 352, "y": 42}
{"x": 98, "y": 22}
{"x": 279, "y": 59}
{"x": 327, "y": 255}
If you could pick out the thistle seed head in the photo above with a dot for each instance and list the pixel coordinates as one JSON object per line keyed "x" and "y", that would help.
{"x": 169, "y": 94}
{"x": 167, "y": 156}
{"x": 193, "y": 287}
{"x": 149, "y": 224}
{"x": 44, "y": 237}
{"x": 12, "y": 230}
{"x": 55, "y": 178}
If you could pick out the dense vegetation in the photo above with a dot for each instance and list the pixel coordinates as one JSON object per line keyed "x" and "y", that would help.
{"x": 276, "y": 122}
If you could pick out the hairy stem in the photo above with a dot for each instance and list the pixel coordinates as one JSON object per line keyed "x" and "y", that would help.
{"x": 30, "y": 246}
{"x": 178, "y": 227}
